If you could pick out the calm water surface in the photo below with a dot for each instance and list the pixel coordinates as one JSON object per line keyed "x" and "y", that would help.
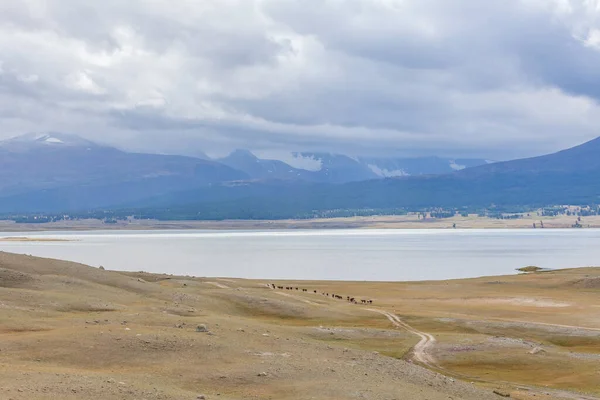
{"x": 385, "y": 255}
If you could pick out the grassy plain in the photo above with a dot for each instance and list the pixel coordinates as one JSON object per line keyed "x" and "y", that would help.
{"x": 75, "y": 332}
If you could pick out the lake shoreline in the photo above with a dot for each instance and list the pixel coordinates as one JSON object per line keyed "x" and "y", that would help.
{"x": 377, "y": 222}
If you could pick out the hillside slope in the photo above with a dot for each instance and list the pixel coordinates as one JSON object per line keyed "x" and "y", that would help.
{"x": 69, "y": 331}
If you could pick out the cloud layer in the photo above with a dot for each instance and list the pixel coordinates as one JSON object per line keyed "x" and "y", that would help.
{"x": 496, "y": 78}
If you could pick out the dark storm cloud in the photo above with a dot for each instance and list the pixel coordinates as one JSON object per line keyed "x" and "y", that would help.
{"x": 496, "y": 79}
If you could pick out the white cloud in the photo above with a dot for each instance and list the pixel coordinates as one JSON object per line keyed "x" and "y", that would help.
{"x": 82, "y": 82}
{"x": 495, "y": 79}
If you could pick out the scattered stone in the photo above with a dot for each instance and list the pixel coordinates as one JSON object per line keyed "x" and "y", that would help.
{"x": 262, "y": 374}
{"x": 201, "y": 397}
{"x": 202, "y": 328}
{"x": 501, "y": 393}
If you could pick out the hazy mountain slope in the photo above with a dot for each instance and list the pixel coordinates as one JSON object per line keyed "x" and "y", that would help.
{"x": 65, "y": 172}
{"x": 585, "y": 157}
{"x": 261, "y": 201}
{"x": 567, "y": 177}
{"x": 51, "y": 161}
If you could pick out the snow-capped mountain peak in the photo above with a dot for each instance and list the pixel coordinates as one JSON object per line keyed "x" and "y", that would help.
{"x": 37, "y": 140}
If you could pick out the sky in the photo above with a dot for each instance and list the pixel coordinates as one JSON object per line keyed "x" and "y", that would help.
{"x": 496, "y": 79}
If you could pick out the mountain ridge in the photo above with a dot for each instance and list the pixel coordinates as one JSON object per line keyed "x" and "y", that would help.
{"x": 203, "y": 187}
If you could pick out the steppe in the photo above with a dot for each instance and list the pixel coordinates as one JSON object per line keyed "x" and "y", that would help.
{"x": 70, "y": 331}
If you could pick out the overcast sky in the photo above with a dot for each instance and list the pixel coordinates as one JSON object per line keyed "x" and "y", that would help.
{"x": 494, "y": 78}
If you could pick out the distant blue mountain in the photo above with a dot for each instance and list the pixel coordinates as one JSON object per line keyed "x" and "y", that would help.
{"x": 36, "y": 165}
{"x": 57, "y": 172}
{"x": 568, "y": 177}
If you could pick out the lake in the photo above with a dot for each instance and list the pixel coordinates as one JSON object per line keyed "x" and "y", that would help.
{"x": 379, "y": 255}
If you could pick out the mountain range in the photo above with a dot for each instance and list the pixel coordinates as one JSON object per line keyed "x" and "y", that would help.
{"x": 62, "y": 173}
{"x": 338, "y": 168}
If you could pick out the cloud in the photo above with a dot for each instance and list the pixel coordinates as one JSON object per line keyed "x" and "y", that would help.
{"x": 496, "y": 79}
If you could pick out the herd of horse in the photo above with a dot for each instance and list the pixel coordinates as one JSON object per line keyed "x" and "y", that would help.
{"x": 332, "y": 295}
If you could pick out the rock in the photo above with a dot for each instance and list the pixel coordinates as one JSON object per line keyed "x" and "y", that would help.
{"x": 201, "y": 397}
{"x": 501, "y": 393}
{"x": 537, "y": 350}
{"x": 202, "y": 328}
{"x": 262, "y": 374}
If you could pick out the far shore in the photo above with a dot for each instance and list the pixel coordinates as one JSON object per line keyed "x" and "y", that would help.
{"x": 531, "y": 221}
{"x": 28, "y": 239}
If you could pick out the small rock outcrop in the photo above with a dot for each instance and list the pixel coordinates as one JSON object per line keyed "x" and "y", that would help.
{"x": 202, "y": 328}
{"x": 537, "y": 350}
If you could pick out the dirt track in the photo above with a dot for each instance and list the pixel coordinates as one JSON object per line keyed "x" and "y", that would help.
{"x": 421, "y": 351}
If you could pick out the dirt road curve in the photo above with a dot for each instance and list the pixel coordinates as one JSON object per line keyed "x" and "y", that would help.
{"x": 312, "y": 303}
{"x": 421, "y": 350}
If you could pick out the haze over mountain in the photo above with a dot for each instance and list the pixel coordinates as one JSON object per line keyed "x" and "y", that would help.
{"x": 41, "y": 162}
{"x": 60, "y": 172}
{"x": 338, "y": 168}
{"x": 63, "y": 163}
{"x": 566, "y": 177}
